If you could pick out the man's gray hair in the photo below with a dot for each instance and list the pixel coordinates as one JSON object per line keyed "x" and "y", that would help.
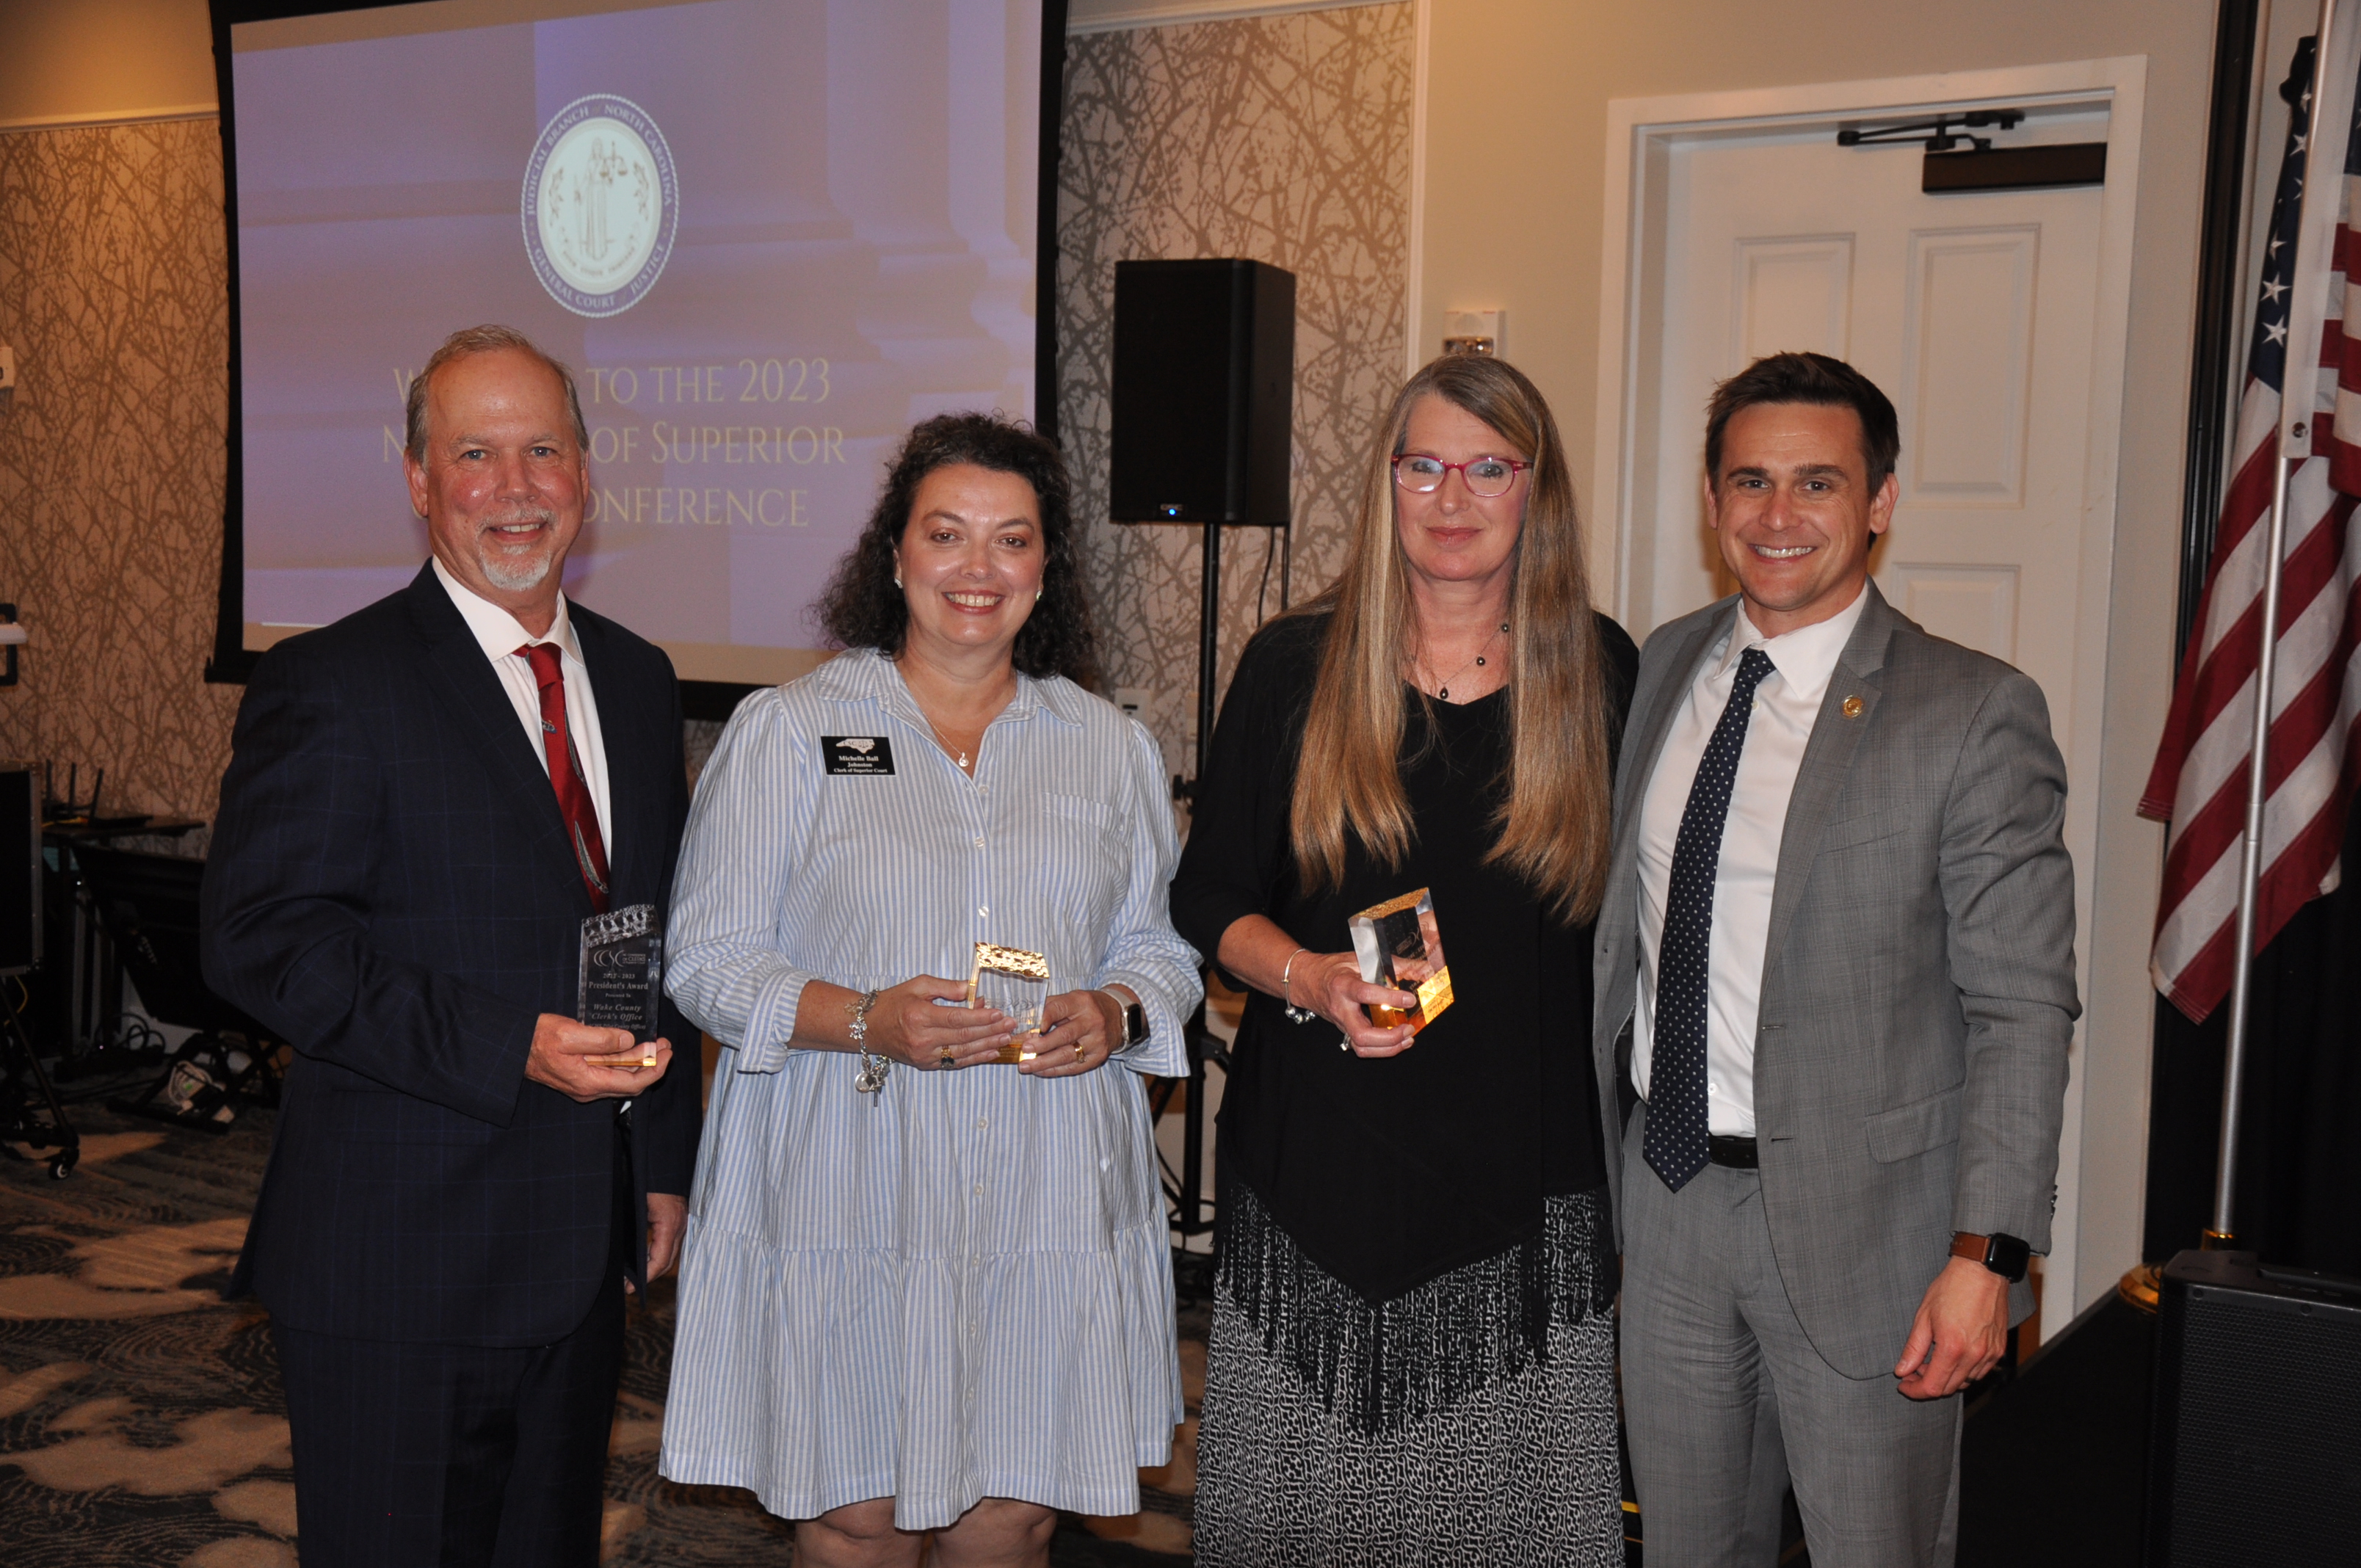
{"x": 489, "y": 338}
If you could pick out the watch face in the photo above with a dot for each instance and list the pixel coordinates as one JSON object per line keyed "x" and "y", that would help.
{"x": 1134, "y": 1024}
{"x": 2008, "y": 1256}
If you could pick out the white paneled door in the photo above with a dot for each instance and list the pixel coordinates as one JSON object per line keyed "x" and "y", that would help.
{"x": 1974, "y": 312}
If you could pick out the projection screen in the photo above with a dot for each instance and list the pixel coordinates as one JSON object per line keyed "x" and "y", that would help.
{"x": 766, "y": 234}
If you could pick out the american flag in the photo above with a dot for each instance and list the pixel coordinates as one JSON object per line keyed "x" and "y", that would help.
{"x": 2199, "y": 780}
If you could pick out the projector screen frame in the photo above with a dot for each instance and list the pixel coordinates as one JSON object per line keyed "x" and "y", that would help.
{"x": 232, "y": 662}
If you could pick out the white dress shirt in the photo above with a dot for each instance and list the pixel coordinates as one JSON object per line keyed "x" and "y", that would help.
{"x": 1785, "y": 705}
{"x": 499, "y": 635}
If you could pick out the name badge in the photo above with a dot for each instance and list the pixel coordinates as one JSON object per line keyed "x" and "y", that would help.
{"x": 856, "y": 753}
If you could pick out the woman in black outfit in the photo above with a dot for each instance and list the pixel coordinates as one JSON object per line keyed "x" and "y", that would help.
{"x": 1412, "y": 1351}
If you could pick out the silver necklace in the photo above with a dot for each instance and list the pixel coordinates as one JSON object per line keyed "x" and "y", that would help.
{"x": 1477, "y": 662}
{"x": 949, "y": 750}
{"x": 943, "y": 743}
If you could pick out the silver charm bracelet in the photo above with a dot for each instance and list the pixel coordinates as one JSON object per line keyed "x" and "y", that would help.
{"x": 870, "y": 1078}
{"x": 1286, "y": 994}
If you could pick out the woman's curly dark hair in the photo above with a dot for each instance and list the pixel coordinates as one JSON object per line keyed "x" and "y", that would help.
{"x": 863, "y": 608}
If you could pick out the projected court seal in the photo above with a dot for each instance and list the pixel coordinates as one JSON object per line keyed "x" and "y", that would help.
{"x": 600, "y": 206}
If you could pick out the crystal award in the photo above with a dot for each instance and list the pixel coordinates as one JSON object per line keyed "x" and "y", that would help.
{"x": 1017, "y": 982}
{"x": 622, "y": 969}
{"x": 1399, "y": 944}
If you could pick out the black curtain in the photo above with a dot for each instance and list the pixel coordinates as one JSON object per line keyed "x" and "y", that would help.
{"x": 2298, "y": 1199}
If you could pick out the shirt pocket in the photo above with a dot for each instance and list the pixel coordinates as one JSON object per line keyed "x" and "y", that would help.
{"x": 1085, "y": 857}
{"x": 1081, "y": 808}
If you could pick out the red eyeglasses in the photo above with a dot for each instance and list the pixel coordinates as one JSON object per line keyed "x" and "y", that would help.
{"x": 1485, "y": 477}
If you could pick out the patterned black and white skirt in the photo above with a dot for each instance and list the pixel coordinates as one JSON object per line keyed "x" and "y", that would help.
{"x": 1471, "y": 1421}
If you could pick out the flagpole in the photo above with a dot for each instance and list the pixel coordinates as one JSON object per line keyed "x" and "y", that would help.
{"x": 2219, "y": 1235}
{"x": 2298, "y": 385}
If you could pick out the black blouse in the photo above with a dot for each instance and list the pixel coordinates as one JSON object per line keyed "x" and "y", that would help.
{"x": 1390, "y": 1172}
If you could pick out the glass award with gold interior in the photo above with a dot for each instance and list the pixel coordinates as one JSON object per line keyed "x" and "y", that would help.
{"x": 621, "y": 974}
{"x": 1017, "y": 982}
{"x": 1399, "y": 944}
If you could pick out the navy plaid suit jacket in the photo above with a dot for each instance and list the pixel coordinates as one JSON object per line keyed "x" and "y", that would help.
{"x": 390, "y": 890}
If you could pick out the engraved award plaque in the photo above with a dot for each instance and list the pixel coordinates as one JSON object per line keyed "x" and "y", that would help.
{"x": 1399, "y": 944}
{"x": 1017, "y": 982}
{"x": 622, "y": 969}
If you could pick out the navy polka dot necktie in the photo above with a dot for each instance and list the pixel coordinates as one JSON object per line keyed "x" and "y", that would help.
{"x": 1674, "y": 1147}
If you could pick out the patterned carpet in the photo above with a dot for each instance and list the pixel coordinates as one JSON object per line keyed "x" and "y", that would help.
{"x": 142, "y": 1424}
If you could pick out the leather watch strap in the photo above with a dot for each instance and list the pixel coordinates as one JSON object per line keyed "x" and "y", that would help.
{"x": 2004, "y": 1255}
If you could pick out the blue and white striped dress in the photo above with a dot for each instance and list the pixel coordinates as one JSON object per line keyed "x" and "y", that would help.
{"x": 965, "y": 1289}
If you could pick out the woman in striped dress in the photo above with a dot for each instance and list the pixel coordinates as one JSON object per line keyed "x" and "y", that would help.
{"x": 923, "y": 1292}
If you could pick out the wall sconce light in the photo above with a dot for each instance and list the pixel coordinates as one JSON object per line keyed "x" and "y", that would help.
{"x": 1474, "y": 331}
{"x": 12, "y": 637}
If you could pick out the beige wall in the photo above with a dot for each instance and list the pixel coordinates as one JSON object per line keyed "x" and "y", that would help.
{"x": 89, "y": 59}
{"x": 1515, "y": 155}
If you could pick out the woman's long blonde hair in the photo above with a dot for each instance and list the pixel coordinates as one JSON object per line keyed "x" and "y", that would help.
{"x": 1556, "y": 801}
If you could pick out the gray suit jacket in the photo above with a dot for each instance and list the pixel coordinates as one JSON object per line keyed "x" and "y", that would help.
{"x": 1919, "y": 981}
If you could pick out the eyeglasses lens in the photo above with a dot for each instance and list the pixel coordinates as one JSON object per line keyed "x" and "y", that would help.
{"x": 1419, "y": 474}
{"x": 1485, "y": 477}
{"x": 1489, "y": 479}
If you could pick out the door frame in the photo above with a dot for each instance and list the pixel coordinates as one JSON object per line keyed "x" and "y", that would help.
{"x": 1641, "y": 135}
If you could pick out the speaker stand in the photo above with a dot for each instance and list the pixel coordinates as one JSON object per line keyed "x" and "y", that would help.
{"x": 1202, "y": 1045}
{"x": 30, "y": 1112}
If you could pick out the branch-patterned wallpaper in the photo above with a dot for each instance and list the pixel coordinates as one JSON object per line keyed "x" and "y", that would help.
{"x": 114, "y": 294}
{"x": 1283, "y": 138}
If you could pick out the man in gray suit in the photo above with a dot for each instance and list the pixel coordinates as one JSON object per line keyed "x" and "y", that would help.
{"x": 1835, "y": 963}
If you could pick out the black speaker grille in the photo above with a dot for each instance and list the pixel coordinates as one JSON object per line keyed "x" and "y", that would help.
{"x": 1199, "y": 419}
{"x": 20, "y": 871}
{"x": 2268, "y": 1464}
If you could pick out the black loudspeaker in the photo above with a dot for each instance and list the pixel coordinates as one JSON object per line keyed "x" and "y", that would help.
{"x": 1205, "y": 393}
{"x": 20, "y": 868}
{"x": 2254, "y": 1450}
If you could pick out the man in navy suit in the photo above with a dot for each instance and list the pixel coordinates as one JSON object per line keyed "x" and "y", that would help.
{"x": 426, "y": 801}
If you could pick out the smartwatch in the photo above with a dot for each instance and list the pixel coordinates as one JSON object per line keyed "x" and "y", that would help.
{"x": 2004, "y": 1255}
{"x": 1135, "y": 1021}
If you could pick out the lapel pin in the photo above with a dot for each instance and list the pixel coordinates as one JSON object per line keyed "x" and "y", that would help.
{"x": 1852, "y": 708}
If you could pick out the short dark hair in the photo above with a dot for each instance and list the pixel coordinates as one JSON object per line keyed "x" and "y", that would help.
{"x": 865, "y": 609}
{"x": 1808, "y": 379}
{"x": 489, "y": 338}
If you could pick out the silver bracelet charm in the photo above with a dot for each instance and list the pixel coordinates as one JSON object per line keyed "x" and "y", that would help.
{"x": 1286, "y": 996}
{"x": 870, "y": 1078}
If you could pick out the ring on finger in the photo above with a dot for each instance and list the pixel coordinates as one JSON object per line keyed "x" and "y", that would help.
{"x": 946, "y": 1058}
{"x": 1080, "y": 1054}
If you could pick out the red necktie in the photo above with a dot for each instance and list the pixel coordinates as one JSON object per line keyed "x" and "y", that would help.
{"x": 574, "y": 802}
